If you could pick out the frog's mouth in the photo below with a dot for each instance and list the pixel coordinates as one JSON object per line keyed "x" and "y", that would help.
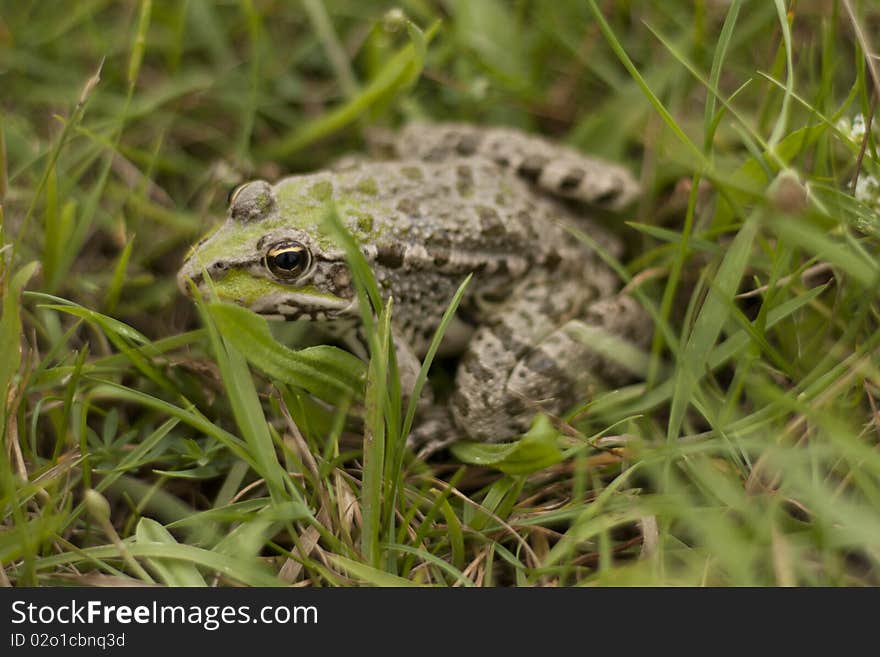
{"x": 267, "y": 297}
{"x": 305, "y": 304}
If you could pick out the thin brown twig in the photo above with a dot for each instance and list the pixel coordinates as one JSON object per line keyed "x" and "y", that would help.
{"x": 864, "y": 147}
{"x": 821, "y": 268}
{"x": 870, "y": 56}
{"x": 871, "y": 59}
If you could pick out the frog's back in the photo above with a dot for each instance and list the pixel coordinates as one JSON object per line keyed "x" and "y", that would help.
{"x": 454, "y": 217}
{"x": 549, "y": 167}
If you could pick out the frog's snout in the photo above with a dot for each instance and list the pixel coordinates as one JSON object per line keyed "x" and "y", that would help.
{"x": 186, "y": 278}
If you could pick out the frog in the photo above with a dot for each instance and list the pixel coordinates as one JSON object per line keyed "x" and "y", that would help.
{"x": 433, "y": 204}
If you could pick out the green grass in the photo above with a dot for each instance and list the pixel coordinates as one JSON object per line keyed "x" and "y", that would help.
{"x": 147, "y": 438}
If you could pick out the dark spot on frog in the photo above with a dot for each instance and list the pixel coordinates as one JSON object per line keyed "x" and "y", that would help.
{"x": 412, "y": 173}
{"x": 441, "y": 257}
{"x": 494, "y": 296}
{"x": 409, "y": 206}
{"x": 531, "y": 167}
{"x": 364, "y": 222}
{"x": 572, "y": 179}
{"x": 541, "y": 363}
{"x": 607, "y": 197}
{"x": 548, "y": 307}
{"x": 475, "y": 368}
{"x": 467, "y": 144}
{"x": 514, "y": 406}
{"x": 490, "y": 223}
{"x": 507, "y": 337}
{"x": 524, "y": 218}
{"x": 367, "y": 186}
{"x": 462, "y": 404}
{"x": 552, "y": 260}
{"x": 436, "y": 154}
{"x": 390, "y": 255}
{"x": 341, "y": 278}
{"x": 465, "y": 180}
{"x": 321, "y": 191}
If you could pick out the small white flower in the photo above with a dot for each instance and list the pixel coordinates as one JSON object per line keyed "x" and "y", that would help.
{"x": 855, "y": 129}
{"x": 868, "y": 190}
{"x": 858, "y": 128}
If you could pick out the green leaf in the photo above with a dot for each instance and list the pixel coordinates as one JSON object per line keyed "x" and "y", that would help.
{"x": 375, "y": 438}
{"x": 193, "y": 474}
{"x": 491, "y": 31}
{"x": 818, "y": 243}
{"x": 436, "y": 341}
{"x": 368, "y": 574}
{"x": 246, "y": 407}
{"x": 455, "y": 533}
{"x": 708, "y": 325}
{"x": 248, "y": 539}
{"x": 699, "y": 160}
{"x": 717, "y": 64}
{"x": 10, "y": 332}
{"x": 536, "y": 450}
{"x": 246, "y": 572}
{"x": 327, "y": 372}
{"x": 23, "y": 538}
{"x": 58, "y": 230}
{"x": 170, "y": 572}
{"x": 401, "y": 70}
{"x": 190, "y": 416}
{"x": 118, "y": 278}
{"x": 121, "y": 335}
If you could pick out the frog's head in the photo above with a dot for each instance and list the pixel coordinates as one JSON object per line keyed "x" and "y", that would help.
{"x": 269, "y": 257}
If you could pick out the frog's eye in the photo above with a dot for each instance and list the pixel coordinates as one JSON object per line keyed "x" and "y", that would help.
{"x": 287, "y": 260}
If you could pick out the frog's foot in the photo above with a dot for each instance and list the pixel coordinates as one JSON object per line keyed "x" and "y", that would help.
{"x": 559, "y": 368}
{"x": 555, "y": 169}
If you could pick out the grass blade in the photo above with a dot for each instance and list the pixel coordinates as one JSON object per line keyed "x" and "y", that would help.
{"x": 399, "y": 72}
{"x": 708, "y": 324}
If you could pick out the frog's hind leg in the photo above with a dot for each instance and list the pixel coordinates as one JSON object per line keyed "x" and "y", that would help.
{"x": 515, "y": 368}
{"x": 555, "y": 169}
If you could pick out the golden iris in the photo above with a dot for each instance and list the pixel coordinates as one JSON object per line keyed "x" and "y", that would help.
{"x": 287, "y": 260}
